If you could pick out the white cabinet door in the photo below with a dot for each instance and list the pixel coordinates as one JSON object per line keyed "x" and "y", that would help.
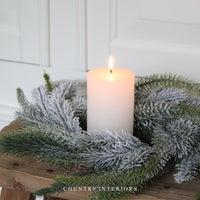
{"x": 146, "y": 36}
{"x": 9, "y": 30}
{"x": 20, "y": 22}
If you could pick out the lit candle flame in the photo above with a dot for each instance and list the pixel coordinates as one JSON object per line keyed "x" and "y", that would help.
{"x": 111, "y": 64}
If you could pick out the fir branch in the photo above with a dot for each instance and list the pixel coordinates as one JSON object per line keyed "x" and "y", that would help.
{"x": 52, "y": 109}
{"x": 167, "y": 80}
{"x": 62, "y": 113}
{"x": 41, "y": 145}
{"x": 139, "y": 177}
{"x": 181, "y": 136}
{"x": 48, "y": 83}
{"x": 152, "y": 114}
{"x": 55, "y": 188}
{"x": 161, "y": 94}
{"x": 65, "y": 90}
{"x": 22, "y": 99}
{"x": 188, "y": 167}
{"x": 113, "y": 151}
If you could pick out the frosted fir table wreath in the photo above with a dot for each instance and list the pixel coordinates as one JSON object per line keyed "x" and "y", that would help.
{"x": 166, "y": 128}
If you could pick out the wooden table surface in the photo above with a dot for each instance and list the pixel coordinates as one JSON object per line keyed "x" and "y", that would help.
{"x": 25, "y": 174}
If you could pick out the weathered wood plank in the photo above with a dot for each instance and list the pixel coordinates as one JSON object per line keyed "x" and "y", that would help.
{"x": 166, "y": 188}
{"x": 9, "y": 194}
{"x": 25, "y": 174}
{"x": 143, "y": 197}
{"x": 22, "y": 181}
{"x": 29, "y": 165}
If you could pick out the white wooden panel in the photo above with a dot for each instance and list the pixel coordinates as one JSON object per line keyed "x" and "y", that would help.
{"x": 146, "y": 57}
{"x": 29, "y": 31}
{"x": 98, "y": 32}
{"x": 131, "y": 26}
{"x": 178, "y": 11}
{"x": 9, "y": 30}
{"x": 44, "y": 33}
{"x": 23, "y": 31}
{"x": 81, "y": 35}
{"x": 151, "y": 39}
{"x": 62, "y": 33}
{"x": 34, "y": 31}
{"x": 146, "y": 36}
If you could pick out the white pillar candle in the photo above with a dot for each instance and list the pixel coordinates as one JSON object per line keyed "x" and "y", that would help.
{"x": 110, "y": 93}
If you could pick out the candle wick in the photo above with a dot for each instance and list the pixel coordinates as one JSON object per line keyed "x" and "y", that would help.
{"x": 110, "y": 70}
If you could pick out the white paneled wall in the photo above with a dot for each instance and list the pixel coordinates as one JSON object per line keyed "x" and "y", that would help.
{"x": 146, "y": 36}
{"x": 158, "y": 36}
{"x": 62, "y": 34}
{"x": 65, "y": 38}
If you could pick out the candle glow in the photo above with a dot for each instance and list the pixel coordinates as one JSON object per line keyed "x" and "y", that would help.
{"x": 110, "y": 98}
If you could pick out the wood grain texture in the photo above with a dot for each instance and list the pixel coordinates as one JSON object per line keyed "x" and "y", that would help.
{"x": 22, "y": 181}
{"x": 9, "y": 194}
{"x": 25, "y": 174}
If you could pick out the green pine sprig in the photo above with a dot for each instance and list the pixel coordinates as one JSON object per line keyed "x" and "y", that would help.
{"x": 21, "y": 98}
{"x": 48, "y": 83}
{"x": 39, "y": 144}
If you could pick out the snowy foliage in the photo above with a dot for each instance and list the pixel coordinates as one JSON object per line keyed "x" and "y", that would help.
{"x": 166, "y": 127}
{"x": 58, "y": 108}
{"x": 114, "y": 151}
{"x": 181, "y": 135}
{"x": 188, "y": 168}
